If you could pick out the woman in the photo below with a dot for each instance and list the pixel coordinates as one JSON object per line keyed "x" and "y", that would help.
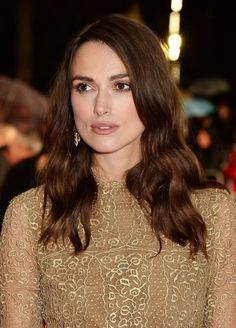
{"x": 124, "y": 232}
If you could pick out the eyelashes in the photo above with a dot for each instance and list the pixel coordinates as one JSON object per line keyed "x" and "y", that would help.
{"x": 123, "y": 86}
{"x": 119, "y": 86}
{"x": 82, "y": 87}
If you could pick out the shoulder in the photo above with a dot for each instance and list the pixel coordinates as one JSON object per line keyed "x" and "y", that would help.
{"x": 32, "y": 198}
{"x": 218, "y": 210}
{"x": 25, "y": 210}
{"x": 211, "y": 202}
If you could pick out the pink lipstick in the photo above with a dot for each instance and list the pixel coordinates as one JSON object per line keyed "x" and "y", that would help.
{"x": 104, "y": 128}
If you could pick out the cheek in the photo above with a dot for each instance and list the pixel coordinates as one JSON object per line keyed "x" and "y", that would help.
{"x": 80, "y": 109}
{"x": 132, "y": 114}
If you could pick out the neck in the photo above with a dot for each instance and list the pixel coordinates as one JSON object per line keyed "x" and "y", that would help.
{"x": 110, "y": 168}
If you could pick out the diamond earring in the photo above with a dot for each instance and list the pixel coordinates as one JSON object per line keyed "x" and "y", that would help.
{"x": 76, "y": 138}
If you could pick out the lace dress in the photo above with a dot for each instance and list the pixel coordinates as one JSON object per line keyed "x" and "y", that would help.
{"x": 119, "y": 281}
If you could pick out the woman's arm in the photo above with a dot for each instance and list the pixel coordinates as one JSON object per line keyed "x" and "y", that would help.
{"x": 20, "y": 297}
{"x": 221, "y": 297}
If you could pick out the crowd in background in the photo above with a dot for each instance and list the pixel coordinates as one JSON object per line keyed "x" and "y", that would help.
{"x": 23, "y": 111}
{"x": 212, "y": 136}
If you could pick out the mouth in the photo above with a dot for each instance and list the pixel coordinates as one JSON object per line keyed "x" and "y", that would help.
{"x": 104, "y": 128}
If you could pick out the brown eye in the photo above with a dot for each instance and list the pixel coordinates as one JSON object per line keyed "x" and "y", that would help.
{"x": 82, "y": 87}
{"x": 122, "y": 86}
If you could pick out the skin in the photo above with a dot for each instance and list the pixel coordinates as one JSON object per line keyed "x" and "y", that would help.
{"x": 104, "y": 110}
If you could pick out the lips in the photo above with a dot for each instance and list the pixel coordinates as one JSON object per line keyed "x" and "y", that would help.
{"x": 104, "y": 128}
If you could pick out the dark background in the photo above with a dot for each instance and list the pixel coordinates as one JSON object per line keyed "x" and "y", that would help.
{"x": 34, "y": 35}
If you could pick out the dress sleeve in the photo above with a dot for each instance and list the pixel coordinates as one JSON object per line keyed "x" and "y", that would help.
{"x": 20, "y": 297}
{"x": 220, "y": 310}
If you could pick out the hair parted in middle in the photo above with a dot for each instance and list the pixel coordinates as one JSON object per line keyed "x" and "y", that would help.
{"x": 168, "y": 171}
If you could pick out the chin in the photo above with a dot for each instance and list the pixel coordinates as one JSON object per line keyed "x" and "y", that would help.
{"x": 104, "y": 148}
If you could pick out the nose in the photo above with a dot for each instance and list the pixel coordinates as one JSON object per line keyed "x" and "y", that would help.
{"x": 102, "y": 103}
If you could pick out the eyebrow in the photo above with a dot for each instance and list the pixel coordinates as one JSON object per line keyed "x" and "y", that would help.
{"x": 89, "y": 79}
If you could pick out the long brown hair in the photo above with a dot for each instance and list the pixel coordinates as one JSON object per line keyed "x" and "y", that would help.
{"x": 168, "y": 171}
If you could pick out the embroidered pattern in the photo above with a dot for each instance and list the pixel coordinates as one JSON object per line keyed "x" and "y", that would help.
{"x": 119, "y": 281}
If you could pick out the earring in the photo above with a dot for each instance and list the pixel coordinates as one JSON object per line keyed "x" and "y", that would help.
{"x": 76, "y": 138}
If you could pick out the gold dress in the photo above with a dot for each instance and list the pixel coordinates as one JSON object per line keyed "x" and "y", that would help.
{"x": 119, "y": 281}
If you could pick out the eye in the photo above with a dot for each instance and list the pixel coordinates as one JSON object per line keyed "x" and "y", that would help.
{"x": 123, "y": 86}
{"x": 82, "y": 87}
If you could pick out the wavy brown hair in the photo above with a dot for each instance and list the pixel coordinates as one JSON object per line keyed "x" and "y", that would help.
{"x": 168, "y": 171}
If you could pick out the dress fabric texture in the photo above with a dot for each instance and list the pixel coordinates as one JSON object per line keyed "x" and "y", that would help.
{"x": 119, "y": 281}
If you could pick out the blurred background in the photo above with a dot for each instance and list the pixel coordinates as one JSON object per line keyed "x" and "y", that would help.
{"x": 34, "y": 35}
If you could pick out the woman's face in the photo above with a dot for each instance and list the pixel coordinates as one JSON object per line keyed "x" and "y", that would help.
{"x": 102, "y": 101}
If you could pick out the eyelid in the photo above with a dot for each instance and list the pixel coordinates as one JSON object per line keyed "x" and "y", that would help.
{"x": 81, "y": 83}
{"x": 78, "y": 84}
{"x": 127, "y": 83}
{"x": 123, "y": 81}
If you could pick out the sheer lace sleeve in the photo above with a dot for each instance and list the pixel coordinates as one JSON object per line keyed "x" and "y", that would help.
{"x": 221, "y": 297}
{"x": 19, "y": 278}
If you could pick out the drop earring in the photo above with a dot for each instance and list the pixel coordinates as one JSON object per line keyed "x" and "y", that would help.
{"x": 76, "y": 138}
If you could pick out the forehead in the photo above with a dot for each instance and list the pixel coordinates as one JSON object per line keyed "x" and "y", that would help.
{"x": 96, "y": 56}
